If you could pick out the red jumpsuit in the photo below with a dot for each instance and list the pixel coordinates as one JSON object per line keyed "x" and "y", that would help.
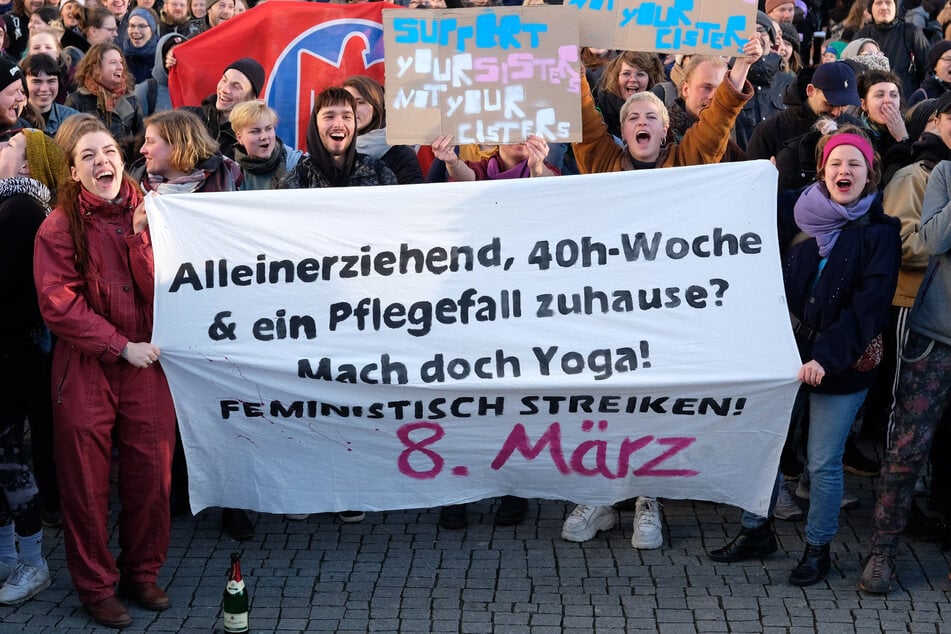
{"x": 99, "y": 398}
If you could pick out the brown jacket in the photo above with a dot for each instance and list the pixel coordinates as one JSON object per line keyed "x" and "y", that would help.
{"x": 703, "y": 144}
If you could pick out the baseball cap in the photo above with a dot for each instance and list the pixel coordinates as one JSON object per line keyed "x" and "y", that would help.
{"x": 837, "y": 82}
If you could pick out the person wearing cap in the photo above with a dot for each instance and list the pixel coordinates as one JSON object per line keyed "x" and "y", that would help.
{"x": 788, "y": 47}
{"x": 30, "y": 166}
{"x": 217, "y": 11}
{"x": 242, "y": 80}
{"x": 923, "y": 395}
{"x": 139, "y": 47}
{"x": 12, "y": 96}
{"x": 840, "y": 256}
{"x": 938, "y": 78}
{"x": 781, "y": 10}
{"x": 904, "y": 44}
{"x": 833, "y": 51}
{"x": 42, "y": 88}
{"x": 152, "y": 94}
{"x": 825, "y": 91}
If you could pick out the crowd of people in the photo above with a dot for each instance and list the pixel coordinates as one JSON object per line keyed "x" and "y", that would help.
{"x": 858, "y": 125}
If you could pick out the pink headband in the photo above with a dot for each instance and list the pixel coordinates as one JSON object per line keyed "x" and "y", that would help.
{"x": 848, "y": 138}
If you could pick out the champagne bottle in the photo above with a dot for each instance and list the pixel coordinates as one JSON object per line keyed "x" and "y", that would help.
{"x": 236, "y": 599}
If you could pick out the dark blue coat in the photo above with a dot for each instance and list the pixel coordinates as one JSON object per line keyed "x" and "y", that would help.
{"x": 848, "y": 306}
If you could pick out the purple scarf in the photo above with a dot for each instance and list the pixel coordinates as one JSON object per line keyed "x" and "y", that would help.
{"x": 822, "y": 218}
{"x": 494, "y": 169}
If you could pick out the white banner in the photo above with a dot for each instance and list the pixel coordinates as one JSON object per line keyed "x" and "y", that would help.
{"x": 588, "y": 338}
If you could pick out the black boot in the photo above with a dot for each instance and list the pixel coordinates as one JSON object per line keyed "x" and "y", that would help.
{"x": 453, "y": 517}
{"x": 813, "y": 567}
{"x": 511, "y": 511}
{"x": 235, "y": 522}
{"x": 749, "y": 544}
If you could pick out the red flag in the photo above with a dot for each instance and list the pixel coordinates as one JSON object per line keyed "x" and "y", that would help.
{"x": 304, "y": 47}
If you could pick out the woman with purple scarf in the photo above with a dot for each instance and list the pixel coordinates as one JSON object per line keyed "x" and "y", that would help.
{"x": 840, "y": 273}
{"x": 514, "y": 160}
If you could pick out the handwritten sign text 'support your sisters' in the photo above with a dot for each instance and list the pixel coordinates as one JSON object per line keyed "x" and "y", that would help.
{"x": 710, "y": 27}
{"x": 482, "y": 75}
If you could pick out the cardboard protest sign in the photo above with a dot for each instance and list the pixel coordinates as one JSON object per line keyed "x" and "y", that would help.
{"x": 482, "y": 75}
{"x": 713, "y": 27}
{"x": 419, "y": 345}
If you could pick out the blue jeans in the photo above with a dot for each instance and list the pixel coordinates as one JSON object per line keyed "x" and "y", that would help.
{"x": 830, "y": 421}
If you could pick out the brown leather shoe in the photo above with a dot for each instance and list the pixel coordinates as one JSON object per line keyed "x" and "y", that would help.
{"x": 109, "y": 612}
{"x": 145, "y": 594}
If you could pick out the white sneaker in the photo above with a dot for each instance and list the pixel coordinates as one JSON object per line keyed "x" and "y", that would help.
{"x": 6, "y": 569}
{"x": 786, "y": 507}
{"x": 648, "y": 527}
{"x": 297, "y": 517}
{"x": 586, "y": 521}
{"x": 25, "y": 583}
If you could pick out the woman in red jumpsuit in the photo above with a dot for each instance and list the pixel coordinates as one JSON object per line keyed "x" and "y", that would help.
{"x": 94, "y": 277}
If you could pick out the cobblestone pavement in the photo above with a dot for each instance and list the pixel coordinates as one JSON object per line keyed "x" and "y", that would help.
{"x": 399, "y": 572}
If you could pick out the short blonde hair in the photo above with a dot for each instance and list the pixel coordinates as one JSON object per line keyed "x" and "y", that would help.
{"x": 247, "y": 113}
{"x": 650, "y": 98}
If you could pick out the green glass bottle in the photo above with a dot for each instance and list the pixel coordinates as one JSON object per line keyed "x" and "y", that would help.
{"x": 236, "y": 599}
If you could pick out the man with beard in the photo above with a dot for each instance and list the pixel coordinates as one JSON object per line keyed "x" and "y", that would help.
{"x": 332, "y": 146}
{"x": 173, "y": 18}
{"x": 333, "y": 161}
{"x": 702, "y": 75}
{"x": 242, "y": 80}
{"x": 12, "y": 96}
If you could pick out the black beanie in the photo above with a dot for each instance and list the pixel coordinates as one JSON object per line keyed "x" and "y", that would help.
{"x": 9, "y": 73}
{"x": 252, "y": 70}
{"x": 936, "y": 51}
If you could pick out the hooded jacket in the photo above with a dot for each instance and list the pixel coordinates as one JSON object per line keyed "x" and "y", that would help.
{"x": 401, "y": 159}
{"x": 929, "y": 317}
{"x": 160, "y": 75}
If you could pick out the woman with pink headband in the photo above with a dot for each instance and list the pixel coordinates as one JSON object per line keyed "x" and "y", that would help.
{"x": 840, "y": 269}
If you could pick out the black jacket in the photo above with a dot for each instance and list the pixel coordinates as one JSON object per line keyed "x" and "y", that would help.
{"x": 906, "y": 48}
{"x": 222, "y": 133}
